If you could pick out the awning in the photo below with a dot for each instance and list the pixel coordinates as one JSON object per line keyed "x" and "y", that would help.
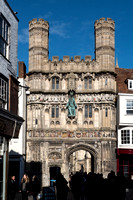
{"x": 10, "y": 124}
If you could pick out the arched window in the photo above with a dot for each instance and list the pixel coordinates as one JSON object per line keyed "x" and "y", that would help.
{"x": 55, "y": 83}
{"x": 106, "y": 112}
{"x": 55, "y": 111}
{"x": 88, "y": 111}
{"x": 106, "y": 81}
{"x": 88, "y": 83}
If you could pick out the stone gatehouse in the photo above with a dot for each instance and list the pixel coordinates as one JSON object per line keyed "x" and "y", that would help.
{"x": 56, "y": 139}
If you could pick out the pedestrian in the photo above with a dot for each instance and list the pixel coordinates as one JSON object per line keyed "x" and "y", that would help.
{"x": 12, "y": 188}
{"x": 35, "y": 187}
{"x": 62, "y": 187}
{"x": 24, "y": 187}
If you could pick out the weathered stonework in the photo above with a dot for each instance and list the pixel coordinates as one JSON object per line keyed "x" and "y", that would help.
{"x": 53, "y": 137}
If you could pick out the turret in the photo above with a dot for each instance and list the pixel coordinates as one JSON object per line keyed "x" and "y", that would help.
{"x": 38, "y": 44}
{"x": 105, "y": 44}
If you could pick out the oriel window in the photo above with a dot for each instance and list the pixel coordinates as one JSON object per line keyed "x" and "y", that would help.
{"x": 129, "y": 107}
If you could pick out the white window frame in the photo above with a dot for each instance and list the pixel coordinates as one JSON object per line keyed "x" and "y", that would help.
{"x": 125, "y": 137}
{"x": 121, "y": 143}
{"x": 130, "y": 84}
{"x": 129, "y": 106}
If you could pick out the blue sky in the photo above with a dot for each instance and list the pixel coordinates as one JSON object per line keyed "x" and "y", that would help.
{"x": 72, "y": 26}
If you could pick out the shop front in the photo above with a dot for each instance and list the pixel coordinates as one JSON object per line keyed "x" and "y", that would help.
{"x": 125, "y": 162}
{"x": 9, "y": 128}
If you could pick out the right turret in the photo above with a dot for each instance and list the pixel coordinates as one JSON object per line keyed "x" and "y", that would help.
{"x": 105, "y": 44}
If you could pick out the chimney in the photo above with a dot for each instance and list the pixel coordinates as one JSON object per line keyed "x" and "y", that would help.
{"x": 22, "y": 69}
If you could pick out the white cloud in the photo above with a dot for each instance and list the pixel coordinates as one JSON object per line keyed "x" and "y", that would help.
{"x": 60, "y": 28}
{"x": 46, "y": 16}
{"x": 23, "y": 36}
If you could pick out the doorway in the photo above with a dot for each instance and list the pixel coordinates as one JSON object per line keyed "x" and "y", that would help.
{"x": 54, "y": 171}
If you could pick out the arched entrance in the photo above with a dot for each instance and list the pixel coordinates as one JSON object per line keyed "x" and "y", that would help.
{"x": 81, "y": 160}
{"x": 81, "y": 156}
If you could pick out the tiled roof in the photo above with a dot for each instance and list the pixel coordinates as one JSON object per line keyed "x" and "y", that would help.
{"x": 122, "y": 76}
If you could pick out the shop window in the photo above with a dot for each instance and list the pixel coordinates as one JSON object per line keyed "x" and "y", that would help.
{"x": 55, "y": 112}
{"x": 4, "y": 36}
{"x": 55, "y": 83}
{"x": 129, "y": 107}
{"x": 126, "y": 166}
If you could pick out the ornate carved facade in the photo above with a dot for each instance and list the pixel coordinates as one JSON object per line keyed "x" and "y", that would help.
{"x": 52, "y": 136}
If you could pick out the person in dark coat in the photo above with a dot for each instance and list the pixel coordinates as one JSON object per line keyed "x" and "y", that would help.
{"x": 35, "y": 187}
{"x": 62, "y": 187}
{"x": 12, "y": 188}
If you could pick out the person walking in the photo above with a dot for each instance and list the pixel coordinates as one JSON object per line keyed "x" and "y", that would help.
{"x": 12, "y": 188}
{"x": 24, "y": 187}
{"x": 35, "y": 187}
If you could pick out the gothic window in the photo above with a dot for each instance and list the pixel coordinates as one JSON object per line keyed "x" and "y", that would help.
{"x": 55, "y": 112}
{"x": 106, "y": 112}
{"x": 36, "y": 121}
{"x": 88, "y": 83}
{"x": 106, "y": 81}
{"x": 55, "y": 83}
{"x": 4, "y": 36}
{"x": 88, "y": 111}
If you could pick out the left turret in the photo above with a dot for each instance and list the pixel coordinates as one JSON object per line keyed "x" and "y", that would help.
{"x": 38, "y": 44}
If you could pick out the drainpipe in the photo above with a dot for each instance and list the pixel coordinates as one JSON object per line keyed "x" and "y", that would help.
{"x": 5, "y": 164}
{"x": 5, "y": 169}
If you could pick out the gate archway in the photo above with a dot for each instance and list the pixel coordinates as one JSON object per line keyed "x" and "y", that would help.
{"x": 88, "y": 150}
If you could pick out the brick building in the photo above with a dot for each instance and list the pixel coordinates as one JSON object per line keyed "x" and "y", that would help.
{"x": 125, "y": 121}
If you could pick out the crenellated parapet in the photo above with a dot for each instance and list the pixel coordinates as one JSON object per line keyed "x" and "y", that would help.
{"x": 68, "y": 58}
{"x": 102, "y": 22}
{"x": 41, "y": 23}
